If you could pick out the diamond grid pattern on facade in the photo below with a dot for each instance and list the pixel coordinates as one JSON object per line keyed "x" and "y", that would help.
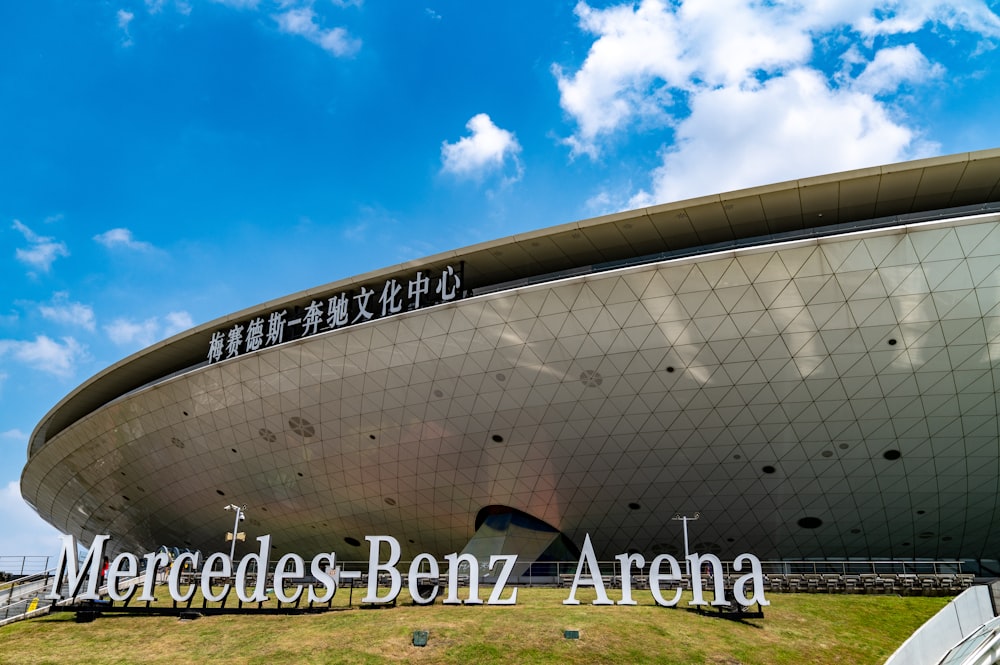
{"x": 757, "y": 387}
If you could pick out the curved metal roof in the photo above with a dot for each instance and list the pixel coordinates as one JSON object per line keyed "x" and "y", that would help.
{"x": 831, "y": 396}
{"x": 960, "y": 180}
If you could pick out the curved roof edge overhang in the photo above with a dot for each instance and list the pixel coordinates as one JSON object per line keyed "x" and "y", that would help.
{"x": 690, "y": 226}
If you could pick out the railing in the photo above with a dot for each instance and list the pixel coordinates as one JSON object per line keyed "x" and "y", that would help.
{"x": 18, "y": 596}
{"x": 878, "y": 567}
{"x": 13, "y": 567}
{"x": 24, "y": 581}
{"x": 545, "y": 572}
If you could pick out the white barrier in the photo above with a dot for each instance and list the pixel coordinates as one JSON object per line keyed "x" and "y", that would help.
{"x": 943, "y": 631}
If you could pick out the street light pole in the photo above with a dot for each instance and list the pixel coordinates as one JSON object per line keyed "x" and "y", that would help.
{"x": 684, "y": 519}
{"x": 240, "y": 514}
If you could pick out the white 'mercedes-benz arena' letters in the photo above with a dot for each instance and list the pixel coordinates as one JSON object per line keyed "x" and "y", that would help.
{"x": 217, "y": 576}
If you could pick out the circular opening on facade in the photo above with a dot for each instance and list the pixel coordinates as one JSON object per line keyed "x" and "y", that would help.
{"x": 810, "y": 522}
{"x": 926, "y": 534}
{"x": 591, "y": 378}
{"x": 139, "y": 487}
{"x": 264, "y": 509}
{"x": 768, "y": 469}
{"x": 827, "y": 453}
{"x": 855, "y": 531}
{"x": 736, "y": 457}
{"x": 353, "y": 542}
{"x": 233, "y": 449}
{"x": 220, "y": 492}
{"x": 177, "y": 442}
{"x": 946, "y": 538}
{"x": 438, "y": 393}
{"x": 371, "y": 436}
{"x": 892, "y": 455}
{"x": 729, "y": 540}
{"x": 843, "y": 446}
{"x": 411, "y": 540}
{"x": 634, "y": 506}
{"x": 123, "y": 473}
{"x": 921, "y": 512}
{"x": 670, "y": 369}
{"x": 390, "y": 501}
{"x": 184, "y": 412}
{"x": 300, "y": 474}
{"x": 497, "y": 438}
{"x": 301, "y": 426}
{"x": 707, "y": 546}
{"x": 125, "y": 497}
{"x": 501, "y": 376}
{"x": 267, "y": 435}
{"x": 892, "y": 341}
{"x": 906, "y": 544}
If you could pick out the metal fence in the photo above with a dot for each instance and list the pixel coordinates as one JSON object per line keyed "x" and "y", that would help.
{"x": 24, "y": 594}
{"x": 13, "y": 567}
{"x": 545, "y": 572}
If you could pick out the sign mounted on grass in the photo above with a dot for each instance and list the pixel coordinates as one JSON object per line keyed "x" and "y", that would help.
{"x": 318, "y": 582}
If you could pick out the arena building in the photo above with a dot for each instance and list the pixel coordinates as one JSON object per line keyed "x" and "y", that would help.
{"x": 811, "y": 366}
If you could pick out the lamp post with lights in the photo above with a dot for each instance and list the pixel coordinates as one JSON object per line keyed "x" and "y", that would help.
{"x": 684, "y": 519}
{"x": 236, "y": 534}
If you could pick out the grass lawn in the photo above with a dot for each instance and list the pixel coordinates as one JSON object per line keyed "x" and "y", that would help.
{"x": 797, "y": 628}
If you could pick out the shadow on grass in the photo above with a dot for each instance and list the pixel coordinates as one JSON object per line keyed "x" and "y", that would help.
{"x": 733, "y": 617}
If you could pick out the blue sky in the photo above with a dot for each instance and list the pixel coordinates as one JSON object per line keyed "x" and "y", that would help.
{"x": 167, "y": 162}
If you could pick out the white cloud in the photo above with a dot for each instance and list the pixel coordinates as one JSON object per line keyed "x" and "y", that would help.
{"x": 645, "y": 60}
{"x": 46, "y": 354}
{"x": 295, "y": 17}
{"x": 61, "y": 310}
{"x": 894, "y": 66}
{"x": 890, "y": 18}
{"x": 41, "y": 252}
{"x": 302, "y": 21}
{"x": 116, "y": 238}
{"x": 156, "y": 6}
{"x": 737, "y": 82}
{"x": 176, "y": 322}
{"x": 15, "y": 435}
{"x": 125, "y": 332}
{"x": 24, "y": 533}
{"x": 485, "y": 150}
{"x": 124, "y": 18}
{"x": 238, "y": 4}
{"x": 793, "y": 126}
